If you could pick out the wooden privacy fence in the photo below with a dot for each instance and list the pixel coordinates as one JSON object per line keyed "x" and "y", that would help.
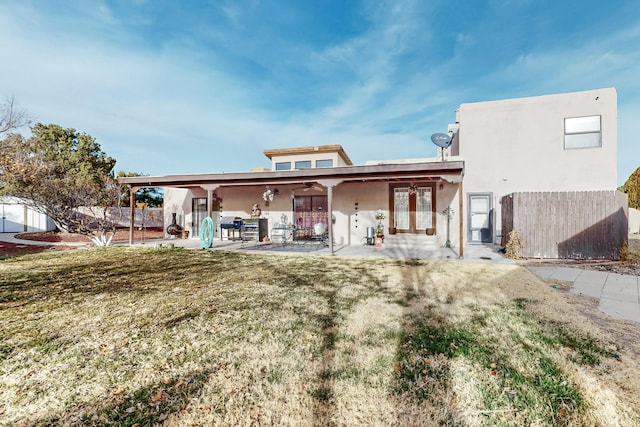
{"x": 575, "y": 225}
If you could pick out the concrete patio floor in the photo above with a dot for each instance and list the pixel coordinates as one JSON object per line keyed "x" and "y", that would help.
{"x": 480, "y": 253}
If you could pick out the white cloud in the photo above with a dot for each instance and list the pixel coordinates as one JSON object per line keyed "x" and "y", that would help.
{"x": 143, "y": 105}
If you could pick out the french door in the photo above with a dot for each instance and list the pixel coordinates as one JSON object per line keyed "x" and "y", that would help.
{"x": 412, "y": 207}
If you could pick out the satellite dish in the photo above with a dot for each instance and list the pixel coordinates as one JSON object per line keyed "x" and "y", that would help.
{"x": 442, "y": 140}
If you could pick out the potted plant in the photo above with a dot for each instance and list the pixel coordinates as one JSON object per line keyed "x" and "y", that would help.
{"x": 379, "y": 227}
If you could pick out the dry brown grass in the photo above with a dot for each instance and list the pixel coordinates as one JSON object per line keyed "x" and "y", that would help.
{"x": 125, "y": 336}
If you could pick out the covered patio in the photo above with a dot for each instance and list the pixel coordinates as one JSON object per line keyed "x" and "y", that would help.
{"x": 353, "y": 195}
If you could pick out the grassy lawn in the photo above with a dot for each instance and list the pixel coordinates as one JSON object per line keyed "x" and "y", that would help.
{"x": 130, "y": 336}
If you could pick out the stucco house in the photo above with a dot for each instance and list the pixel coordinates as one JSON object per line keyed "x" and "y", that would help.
{"x": 564, "y": 142}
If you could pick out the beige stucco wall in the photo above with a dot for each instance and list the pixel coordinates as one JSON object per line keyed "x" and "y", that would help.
{"x": 448, "y": 196}
{"x": 518, "y": 145}
{"x": 351, "y": 220}
{"x": 178, "y": 201}
{"x": 237, "y": 201}
{"x": 337, "y": 160}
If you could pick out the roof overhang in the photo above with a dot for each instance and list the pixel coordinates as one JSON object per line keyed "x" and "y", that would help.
{"x": 451, "y": 171}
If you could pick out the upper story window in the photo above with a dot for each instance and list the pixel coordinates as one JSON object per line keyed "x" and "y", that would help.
{"x": 582, "y": 132}
{"x": 283, "y": 166}
{"x": 324, "y": 163}
{"x": 303, "y": 164}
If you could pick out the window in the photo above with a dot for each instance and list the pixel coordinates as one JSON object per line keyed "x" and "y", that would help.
{"x": 283, "y": 166}
{"x": 582, "y": 132}
{"x": 303, "y": 164}
{"x": 325, "y": 163}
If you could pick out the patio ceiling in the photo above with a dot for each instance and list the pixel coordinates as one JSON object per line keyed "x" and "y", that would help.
{"x": 452, "y": 171}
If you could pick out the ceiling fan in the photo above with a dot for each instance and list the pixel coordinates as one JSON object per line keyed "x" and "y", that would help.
{"x": 309, "y": 186}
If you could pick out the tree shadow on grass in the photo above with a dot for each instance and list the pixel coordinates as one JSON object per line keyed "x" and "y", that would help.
{"x": 148, "y": 405}
{"x": 93, "y": 273}
{"x": 432, "y": 342}
{"x": 320, "y": 282}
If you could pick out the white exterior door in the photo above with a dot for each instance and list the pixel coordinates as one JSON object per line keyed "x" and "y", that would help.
{"x": 13, "y": 218}
{"x": 480, "y": 218}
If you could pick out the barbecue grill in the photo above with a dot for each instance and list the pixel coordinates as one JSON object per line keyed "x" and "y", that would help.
{"x": 231, "y": 224}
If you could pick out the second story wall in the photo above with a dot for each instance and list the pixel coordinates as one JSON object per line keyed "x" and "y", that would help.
{"x": 323, "y": 156}
{"x": 522, "y": 144}
{"x": 306, "y": 161}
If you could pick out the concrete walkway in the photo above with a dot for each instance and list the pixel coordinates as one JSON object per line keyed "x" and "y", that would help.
{"x": 618, "y": 294}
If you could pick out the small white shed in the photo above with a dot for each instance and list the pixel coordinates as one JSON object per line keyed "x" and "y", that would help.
{"x": 17, "y": 217}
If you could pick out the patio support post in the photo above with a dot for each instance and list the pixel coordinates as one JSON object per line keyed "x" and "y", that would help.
{"x": 329, "y": 184}
{"x": 209, "y": 203}
{"x": 330, "y": 219}
{"x": 461, "y": 216}
{"x": 210, "y": 188}
{"x": 132, "y": 212}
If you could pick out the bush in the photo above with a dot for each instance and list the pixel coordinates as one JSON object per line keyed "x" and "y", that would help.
{"x": 514, "y": 243}
{"x": 632, "y": 188}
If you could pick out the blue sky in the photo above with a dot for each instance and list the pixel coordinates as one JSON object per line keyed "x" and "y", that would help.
{"x": 170, "y": 87}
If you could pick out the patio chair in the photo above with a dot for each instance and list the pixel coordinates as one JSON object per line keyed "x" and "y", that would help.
{"x": 319, "y": 232}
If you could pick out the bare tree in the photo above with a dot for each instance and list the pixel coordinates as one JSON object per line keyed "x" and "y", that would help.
{"x": 11, "y": 117}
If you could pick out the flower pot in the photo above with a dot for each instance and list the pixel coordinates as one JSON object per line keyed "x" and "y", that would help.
{"x": 392, "y": 230}
{"x": 430, "y": 231}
